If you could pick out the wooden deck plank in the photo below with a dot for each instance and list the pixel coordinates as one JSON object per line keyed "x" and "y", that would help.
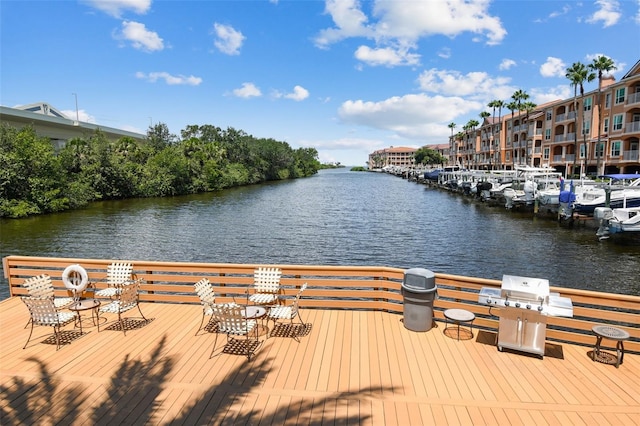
{"x": 381, "y": 373}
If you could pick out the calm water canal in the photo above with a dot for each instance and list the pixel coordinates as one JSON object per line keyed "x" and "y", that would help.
{"x": 337, "y": 217}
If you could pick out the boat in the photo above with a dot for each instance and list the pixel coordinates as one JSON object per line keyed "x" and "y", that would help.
{"x": 432, "y": 175}
{"x": 623, "y": 190}
{"x": 540, "y": 184}
{"x": 617, "y": 221}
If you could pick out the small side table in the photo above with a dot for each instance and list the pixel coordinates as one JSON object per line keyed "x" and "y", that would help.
{"x": 611, "y": 333}
{"x": 256, "y": 312}
{"x": 458, "y": 316}
{"x": 85, "y": 305}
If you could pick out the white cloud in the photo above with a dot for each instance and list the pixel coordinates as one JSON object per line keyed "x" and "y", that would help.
{"x": 404, "y": 23}
{"x": 248, "y": 90}
{"x": 554, "y": 67}
{"x": 350, "y": 21}
{"x": 477, "y": 85}
{"x": 299, "y": 93}
{"x": 345, "y": 143}
{"x": 565, "y": 9}
{"x": 506, "y": 64}
{"x": 415, "y": 116}
{"x": 609, "y": 13}
{"x": 139, "y": 37}
{"x": 228, "y": 40}
{"x": 542, "y": 96}
{"x": 445, "y": 53}
{"x": 81, "y": 115}
{"x": 386, "y": 56}
{"x": 171, "y": 80}
{"x": 115, "y": 8}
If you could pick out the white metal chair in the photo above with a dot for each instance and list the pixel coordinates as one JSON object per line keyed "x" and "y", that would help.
{"x": 43, "y": 312}
{"x": 41, "y": 286}
{"x": 266, "y": 286}
{"x": 118, "y": 274}
{"x": 232, "y": 322}
{"x": 288, "y": 312}
{"x": 207, "y": 296}
{"x": 127, "y": 299}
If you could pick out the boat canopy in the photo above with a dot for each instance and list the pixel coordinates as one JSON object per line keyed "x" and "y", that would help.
{"x": 621, "y": 176}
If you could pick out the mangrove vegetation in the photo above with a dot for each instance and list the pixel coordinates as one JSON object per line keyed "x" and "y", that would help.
{"x": 37, "y": 179}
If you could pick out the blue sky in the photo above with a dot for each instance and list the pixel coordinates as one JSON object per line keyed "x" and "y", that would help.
{"x": 346, "y": 77}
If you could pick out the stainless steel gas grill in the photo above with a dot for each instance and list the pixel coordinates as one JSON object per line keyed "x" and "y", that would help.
{"x": 524, "y": 306}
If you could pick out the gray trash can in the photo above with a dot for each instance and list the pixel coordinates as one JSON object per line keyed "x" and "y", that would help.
{"x": 419, "y": 290}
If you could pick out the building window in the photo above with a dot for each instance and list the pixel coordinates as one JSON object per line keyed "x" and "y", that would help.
{"x": 607, "y": 101}
{"x": 605, "y": 125}
{"x": 507, "y": 156}
{"x": 620, "y": 95}
{"x": 548, "y": 115}
{"x": 586, "y": 127}
{"x": 547, "y": 134}
{"x": 599, "y": 150}
{"x": 615, "y": 148}
{"x": 545, "y": 154}
{"x": 617, "y": 122}
{"x": 587, "y": 104}
{"x": 583, "y": 151}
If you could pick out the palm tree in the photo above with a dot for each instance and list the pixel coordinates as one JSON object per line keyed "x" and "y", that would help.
{"x": 499, "y": 104}
{"x": 471, "y": 125}
{"x": 513, "y": 107}
{"x": 493, "y": 104}
{"x": 577, "y": 74}
{"x": 529, "y": 107}
{"x": 484, "y": 115}
{"x": 519, "y": 96}
{"x": 459, "y": 137}
{"x": 601, "y": 65}
{"x": 452, "y": 126}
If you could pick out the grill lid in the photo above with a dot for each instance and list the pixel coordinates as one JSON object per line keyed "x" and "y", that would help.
{"x": 524, "y": 288}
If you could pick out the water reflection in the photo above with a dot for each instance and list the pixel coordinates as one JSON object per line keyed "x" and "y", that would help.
{"x": 335, "y": 218}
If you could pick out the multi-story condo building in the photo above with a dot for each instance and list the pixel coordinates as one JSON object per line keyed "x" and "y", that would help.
{"x": 393, "y": 156}
{"x": 564, "y": 134}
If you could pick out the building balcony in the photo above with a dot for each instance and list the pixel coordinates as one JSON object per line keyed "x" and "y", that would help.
{"x": 633, "y": 98}
{"x": 633, "y": 127}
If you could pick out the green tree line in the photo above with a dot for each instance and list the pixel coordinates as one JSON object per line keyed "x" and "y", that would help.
{"x": 37, "y": 179}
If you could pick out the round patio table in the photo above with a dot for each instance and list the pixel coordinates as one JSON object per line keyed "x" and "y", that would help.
{"x": 611, "y": 333}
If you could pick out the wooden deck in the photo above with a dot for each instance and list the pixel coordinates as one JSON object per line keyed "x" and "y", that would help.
{"x": 350, "y": 367}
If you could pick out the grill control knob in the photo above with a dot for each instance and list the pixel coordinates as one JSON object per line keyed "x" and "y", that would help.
{"x": 517, "y": 304}
{"x": 528, "y": 306}
{"x": 540, "y": 308}
{"x": 506, "y": 303}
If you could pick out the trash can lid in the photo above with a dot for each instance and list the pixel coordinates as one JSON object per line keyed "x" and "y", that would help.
{"x": 419, "y": 280}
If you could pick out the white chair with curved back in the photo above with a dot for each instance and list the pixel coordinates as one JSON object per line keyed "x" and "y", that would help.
{"x": 266, "y": 286}
{"x": 207, "y": 296}
{"x": 289, "y": 312}
{"x": 127, "y": 299}
{"x": 43, "y": 311}
{"x": 118, "y": 274}
{"x": 41, "y": 286}
{"x": 232, "y": 322}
